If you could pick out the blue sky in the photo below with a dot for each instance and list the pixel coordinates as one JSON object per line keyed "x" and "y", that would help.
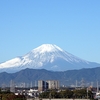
{"x": 73, "y": 25}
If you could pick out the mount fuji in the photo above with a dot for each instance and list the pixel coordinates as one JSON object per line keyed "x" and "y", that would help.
{"x": 46, "y": 56}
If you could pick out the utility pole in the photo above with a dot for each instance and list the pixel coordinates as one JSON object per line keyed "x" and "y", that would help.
{"x": 97, "y": 87}
{"x": 76, "y": 83}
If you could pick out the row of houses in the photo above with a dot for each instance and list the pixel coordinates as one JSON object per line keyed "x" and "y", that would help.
{"x": 34, "y": 92}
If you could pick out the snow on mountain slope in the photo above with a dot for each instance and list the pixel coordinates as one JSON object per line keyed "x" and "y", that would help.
{"x": 46, "y": 56}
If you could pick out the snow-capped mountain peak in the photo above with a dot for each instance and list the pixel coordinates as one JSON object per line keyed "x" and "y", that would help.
{"x": 47, "y": 48}
{"x": 46, "y": 56}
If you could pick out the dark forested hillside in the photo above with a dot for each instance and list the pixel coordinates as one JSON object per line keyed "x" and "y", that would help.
{"x": 84, "y": 77}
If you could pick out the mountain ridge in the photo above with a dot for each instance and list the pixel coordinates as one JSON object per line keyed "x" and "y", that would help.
{"x": 66, "y": 78}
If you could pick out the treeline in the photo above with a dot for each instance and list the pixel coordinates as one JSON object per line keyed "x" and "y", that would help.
{"x": 82, "y": 93}
{"x": 7, "y": 95}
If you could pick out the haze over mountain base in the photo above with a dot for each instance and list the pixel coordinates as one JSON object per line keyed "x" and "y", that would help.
{"x": 83, "y": 77}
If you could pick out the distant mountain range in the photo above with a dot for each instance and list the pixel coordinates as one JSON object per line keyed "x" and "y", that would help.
{"x": 49, "y": 57}
{"x": 82, "y": 77}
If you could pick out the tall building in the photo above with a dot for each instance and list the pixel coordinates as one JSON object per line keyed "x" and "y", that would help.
{"x": 41, "y": 85}
{"x": 12, "y": 86}
{"x": 50, "y": 84}
{"x": 53, "y": 84}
